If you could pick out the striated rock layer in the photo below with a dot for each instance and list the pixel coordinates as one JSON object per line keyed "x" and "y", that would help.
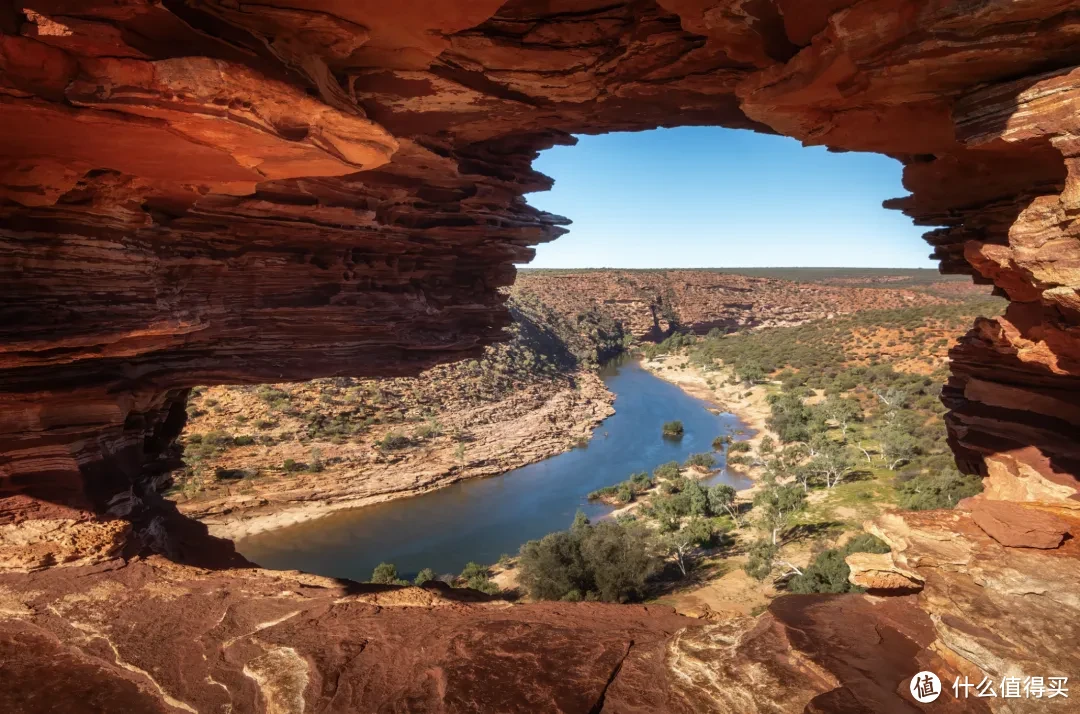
{"x": 202, "y": 191}
{"x": 651, "y": 304}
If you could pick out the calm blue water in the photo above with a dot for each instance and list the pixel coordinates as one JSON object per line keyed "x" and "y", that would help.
{"x": 480, "y": 519}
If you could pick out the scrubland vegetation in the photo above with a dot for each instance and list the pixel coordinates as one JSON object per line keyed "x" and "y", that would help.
{"x": 851, "y": 435}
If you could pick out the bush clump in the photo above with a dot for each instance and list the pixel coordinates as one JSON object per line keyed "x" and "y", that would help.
{"x": 673, "y": 429}
{"x": 704, "y": 460}
{"x": 478, "y": 577}
{"x": 943, "y": 489}
{"x": 609, "y": 561}
{"x": 386, "y": 574}
{"x": 393, "y": 440}
{"x": 828, "y": 573}
{"x": 667, "y": 471}
{"x": 626, "y": 491}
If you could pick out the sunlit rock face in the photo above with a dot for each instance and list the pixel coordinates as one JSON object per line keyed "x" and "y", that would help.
{"x": 202, "y": 191}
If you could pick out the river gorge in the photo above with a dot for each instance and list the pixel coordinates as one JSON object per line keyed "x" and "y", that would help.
{"x": 479, "y": 520}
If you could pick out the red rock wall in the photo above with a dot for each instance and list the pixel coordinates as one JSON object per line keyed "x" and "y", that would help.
{"x": 202, "y": 191}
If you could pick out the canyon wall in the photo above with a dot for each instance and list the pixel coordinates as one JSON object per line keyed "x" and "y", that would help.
{"x": 219, "y": 192}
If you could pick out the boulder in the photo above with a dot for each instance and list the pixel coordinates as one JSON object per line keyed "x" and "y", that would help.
{"x": 1019, "y": 526}
{"x": 877, "y": 571}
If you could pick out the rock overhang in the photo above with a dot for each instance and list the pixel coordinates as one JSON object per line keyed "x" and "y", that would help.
{"x": 200, "y": 191}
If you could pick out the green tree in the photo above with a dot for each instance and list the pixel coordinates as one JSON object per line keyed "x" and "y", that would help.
{"x": 668, "y": 511}
{"x": 759, "y": 560}
{"x": 844, "y": 412}
{"x": 779, "y": 506}
{"x": 722, "y": 500}
{"x": 789, "y": 417}
{"x": 609, "y": 561}
{"x": 898, "y": 446}
{"x": 682, "y": 543}
{"x": 833, "y": 462}
{"x": 697, "y": 499}
{"x": 751, "y": 373}
{"x": 620, "y": 557}
{"x": 385, "y": 574}
{"x": 424, "y": 576}
{"x": 552, "y": 567}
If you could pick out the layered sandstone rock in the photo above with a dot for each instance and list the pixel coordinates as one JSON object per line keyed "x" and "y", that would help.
{"x": 651, "y": 304}
{"x": 878, "y": 572}
{"x": 200, "y": 191}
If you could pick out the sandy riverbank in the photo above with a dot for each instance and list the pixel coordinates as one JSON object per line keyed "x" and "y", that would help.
{"x": 749, "y": 404}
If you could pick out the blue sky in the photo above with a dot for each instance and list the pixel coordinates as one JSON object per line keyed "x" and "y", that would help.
{"x": 710, "y": 197}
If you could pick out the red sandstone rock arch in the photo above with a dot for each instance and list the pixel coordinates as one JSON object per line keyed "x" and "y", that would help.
{"x": 201, "y": 191}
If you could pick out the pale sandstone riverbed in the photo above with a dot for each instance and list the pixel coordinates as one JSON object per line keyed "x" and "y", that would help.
{"x": 525, "y": 428}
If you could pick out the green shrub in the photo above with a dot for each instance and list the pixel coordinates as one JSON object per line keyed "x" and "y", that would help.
{"x": 608, "y": 561}
{"x": 703, "y": 460}
{"x": 424, "y": 576}
{"x": 943, "y": 489}
{"x": 673, "y": 429}
{"x": 668, "y": 471}
{"x": 430, "y": 430}
{"x": 760, "y": 557}
{"x": 626, "y": 491}
{"x": 739, "y": 447}
{"x": 393, "y": 440}
{"x": 828, "y": 573}
{"x": 478, "y": 577}
{"x": 605, "y": 492}
{"x": 385, "y": 574}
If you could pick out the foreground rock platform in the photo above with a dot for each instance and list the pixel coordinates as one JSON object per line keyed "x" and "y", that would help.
{"x": 208, "y": 192}
{"x": 152, "y": 635}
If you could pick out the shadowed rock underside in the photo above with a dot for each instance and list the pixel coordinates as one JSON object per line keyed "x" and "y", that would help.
{"x": 210, "y": 191}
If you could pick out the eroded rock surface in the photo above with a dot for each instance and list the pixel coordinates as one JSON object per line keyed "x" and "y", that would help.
{"x": 1014, "y": 525}
{"x": 201, "y": 192}
{"x": 652, "y": 304}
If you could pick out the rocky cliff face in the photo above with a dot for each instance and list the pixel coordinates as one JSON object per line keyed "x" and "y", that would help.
{"x": 201, "y": 191}
{"x": 651, "y": 304}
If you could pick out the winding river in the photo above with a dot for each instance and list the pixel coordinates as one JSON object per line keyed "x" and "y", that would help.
{"x": 481, "y": 519}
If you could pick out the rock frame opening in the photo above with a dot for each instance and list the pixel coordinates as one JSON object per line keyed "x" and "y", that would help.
{"x": 202, "y": 192}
